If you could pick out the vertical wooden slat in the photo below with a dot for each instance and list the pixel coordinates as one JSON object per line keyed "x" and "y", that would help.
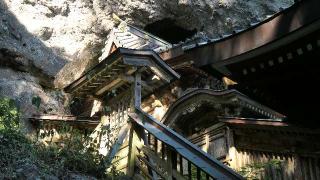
{"x": 156, "y": 145}
{"x": 317, "y": 164}
{"x": 284, "y": 167}
{"x": 149, "y": 138}
{"x": 299, "y": 168}
{"x": 181, "y": 164}
{"x": 292, "y": 162}
{"x": 173, "y": 160}
{"x": 261, "y": 161}
{"x": 184, "y": 166}
{"x": 265, "y": 159}
{"x": 273, "y": 170}
{"x": 305, "y": 164}
{"x": 189, "y": 170}
{"x": 207, "y": 176}
{"x": 198, "y": 173}
{"x": 162, "y": 150}
{"x": 118, "y": 113}
{"x": 169, "y": 163}
{"x": 207, "y": 143}
{"x": 122, "y": 109}
{"x": 311, "y": 169}
{"x": 231, "y": 149}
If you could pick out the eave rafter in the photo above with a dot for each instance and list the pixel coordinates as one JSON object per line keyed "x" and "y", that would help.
{"x": 218, "y": 98}
{"x": 117, "y": 70}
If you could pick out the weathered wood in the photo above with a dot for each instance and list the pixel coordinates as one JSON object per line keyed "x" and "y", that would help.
{"x": 181, "y": 164}
{"x": 108, "y": 86}
{"x": 189, "y": 170}
{"x": 133, "y": 141}
{"x": 137, "y": 90}
{"x": 153, "y": 167}
{"x": 182, "y": 146}
{"x": 146, "y": 140}
{"x": 177, "y": 175}
{"x": 169, "y": 165}
{"x": 163, "y": 164}
{"x": 135, "y": 61}
{"x": 142, "y": 169}
{"x": 116, "y": 146}
{"x": 155, "y": 145}
{"x": 232, "y": 154}
{"x": 198, "y": 173}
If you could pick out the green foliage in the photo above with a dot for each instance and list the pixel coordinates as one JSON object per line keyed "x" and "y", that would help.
{"x": 75, "y": 153}
{"x": 9, "y": 114}
{"x": 15, "y": 149}
{"x": 36, "y": 101}
{"x": 255, "y": 170}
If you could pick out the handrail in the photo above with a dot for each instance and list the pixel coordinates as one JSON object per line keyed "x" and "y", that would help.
{"x": 182, "y": 146}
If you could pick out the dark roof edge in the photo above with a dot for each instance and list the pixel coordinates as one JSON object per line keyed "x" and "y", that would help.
{"x": 116, "y": 55}
{"x": 216, "y": 93}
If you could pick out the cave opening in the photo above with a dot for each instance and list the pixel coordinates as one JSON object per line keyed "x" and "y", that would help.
{"x": 169, "y": 31}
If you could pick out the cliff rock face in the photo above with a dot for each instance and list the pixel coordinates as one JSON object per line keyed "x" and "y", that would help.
{"x": 41, "y": 40}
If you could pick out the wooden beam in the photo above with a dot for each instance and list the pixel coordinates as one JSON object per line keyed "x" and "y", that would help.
{"x": 108, "y": 86}
{"x": 136, "y": 61}
{"x": 258, "y": 122}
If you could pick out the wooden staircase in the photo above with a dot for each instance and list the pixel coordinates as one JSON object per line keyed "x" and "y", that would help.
{"x": 157, "y": 152}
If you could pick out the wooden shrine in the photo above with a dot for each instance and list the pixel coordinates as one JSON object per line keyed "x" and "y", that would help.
{"x": 204, "y": 110}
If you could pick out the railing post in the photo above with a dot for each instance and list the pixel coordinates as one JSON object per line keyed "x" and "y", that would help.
{"x": 189, "y": 170}
{"x": 169, "y": 163}
{"x": 173, "y": 161}
{"x": 132, "y": 151}
{"x": 198, "y": 173}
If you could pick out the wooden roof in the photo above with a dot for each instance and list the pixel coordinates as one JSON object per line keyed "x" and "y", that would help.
{"x": 193, "y": 98}
{"x": 266, "y": 34}
{"x": 115, "y": 71}
{"x": 130, "y": 37}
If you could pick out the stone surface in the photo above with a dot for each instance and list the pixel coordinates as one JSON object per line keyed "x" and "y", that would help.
{"x": 56, "y": 32}
{"x": 22, "y": 87}
{"x": 28, "y": 172}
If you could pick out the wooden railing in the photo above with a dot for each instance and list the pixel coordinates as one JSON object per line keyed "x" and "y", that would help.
{"x": 157, "y": 152}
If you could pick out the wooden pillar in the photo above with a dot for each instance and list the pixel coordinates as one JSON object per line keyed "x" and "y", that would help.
{"x": 137, "y": 90}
